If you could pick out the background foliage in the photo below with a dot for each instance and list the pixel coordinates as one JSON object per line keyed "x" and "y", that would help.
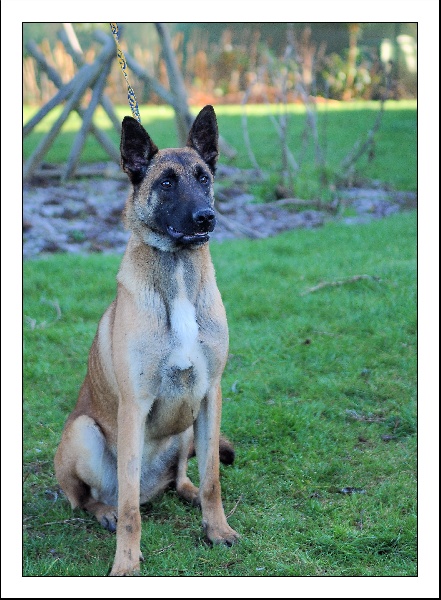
{"x": 220, "y": 60}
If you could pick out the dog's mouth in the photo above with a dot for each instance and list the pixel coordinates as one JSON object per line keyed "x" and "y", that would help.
{"x": 199, "y": 237}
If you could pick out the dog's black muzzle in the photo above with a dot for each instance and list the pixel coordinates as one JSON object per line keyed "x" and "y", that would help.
{"x": 203, "y": 222}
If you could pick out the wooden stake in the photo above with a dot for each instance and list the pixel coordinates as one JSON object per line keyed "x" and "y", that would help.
{"x": 79, "y": 61}
{"x": 227, "y": 150}
{"x": 102, "y": 138}
{"x": 78, "y": 144}
{"x": 84, "y": 79}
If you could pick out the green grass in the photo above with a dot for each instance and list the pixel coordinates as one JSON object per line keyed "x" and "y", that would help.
{"x": 340, "y": 127}
{"x": 314, "y": 383}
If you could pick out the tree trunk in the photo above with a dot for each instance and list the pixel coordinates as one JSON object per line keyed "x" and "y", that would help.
{"x": 184, "y": 119}
{"x": 354, "y": 29}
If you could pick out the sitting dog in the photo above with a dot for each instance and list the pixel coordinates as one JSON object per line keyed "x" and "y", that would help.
{"x": 152, "y": 392}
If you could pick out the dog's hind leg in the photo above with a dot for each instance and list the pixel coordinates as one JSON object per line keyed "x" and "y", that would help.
{"x": 184, "y": 487}
{"x": 86, "y": 470}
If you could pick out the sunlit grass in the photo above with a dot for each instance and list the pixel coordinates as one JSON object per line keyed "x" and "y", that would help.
{"x": 340, "y": 126}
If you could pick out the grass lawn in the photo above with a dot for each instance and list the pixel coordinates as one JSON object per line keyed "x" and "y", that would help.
{"x": 319, "y": 400}
{"x": 340, "y": 126}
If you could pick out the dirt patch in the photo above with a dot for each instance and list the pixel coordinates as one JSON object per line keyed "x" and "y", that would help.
{"x": 85, "y": 215}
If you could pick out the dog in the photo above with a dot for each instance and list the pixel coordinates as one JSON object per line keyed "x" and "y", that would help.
{"x": 151, "y": 397}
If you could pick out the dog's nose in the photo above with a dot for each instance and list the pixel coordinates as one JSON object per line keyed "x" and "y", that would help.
{"x": 204, "y": 218}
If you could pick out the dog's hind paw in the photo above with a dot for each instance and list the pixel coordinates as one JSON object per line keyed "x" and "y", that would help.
{"x": 188, "y": 492}
{"x": 109, "y": 519}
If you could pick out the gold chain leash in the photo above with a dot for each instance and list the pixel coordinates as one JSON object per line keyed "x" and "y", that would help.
{"x": 123, "y": 64}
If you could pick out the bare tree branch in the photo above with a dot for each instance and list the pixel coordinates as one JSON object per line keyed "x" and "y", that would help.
{"x": 246, "y": 135}
{"x": 311, "y": 113}
{"x": 184, "y": 119}
{"x": 360, "y": 148}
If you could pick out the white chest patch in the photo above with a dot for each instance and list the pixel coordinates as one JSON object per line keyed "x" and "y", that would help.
{"x": 183, "y": 321}
{"x": 184, "y": 327}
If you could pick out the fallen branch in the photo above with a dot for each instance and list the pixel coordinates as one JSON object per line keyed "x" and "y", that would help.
{"x": 64, "y": 522}
{"x": 331, "y": 207}
{"x": 235, "y": 506}
{"x": 324, "y": 284}
{"x": 107, "y": 171}
{"x": 33, "y": 322}
{"x": 318, "y": 204}
{"x": 237, "y": 228}
{"x": 369, "y": 418}
{"x": 162, "y": 549}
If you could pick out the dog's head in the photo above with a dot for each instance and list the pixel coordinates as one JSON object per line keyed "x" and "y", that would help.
{"x": 171, "y": 206}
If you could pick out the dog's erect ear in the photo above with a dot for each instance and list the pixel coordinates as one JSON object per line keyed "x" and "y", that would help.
{"x": 137, "y": 149}
{"x": 203, "y": 136}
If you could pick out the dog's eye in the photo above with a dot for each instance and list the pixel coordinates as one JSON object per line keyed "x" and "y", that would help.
{"x": 203, "y": 179}
{"x": 166, "y": 184}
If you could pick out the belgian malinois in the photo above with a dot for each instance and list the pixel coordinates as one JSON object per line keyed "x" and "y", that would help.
{"x": 152, "y": 394}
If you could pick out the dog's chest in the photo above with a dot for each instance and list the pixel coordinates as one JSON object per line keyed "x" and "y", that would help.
{"x": 184, "y": 368}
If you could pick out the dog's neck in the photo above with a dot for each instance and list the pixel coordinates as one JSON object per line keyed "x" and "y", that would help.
{"x": 145, "y": 266}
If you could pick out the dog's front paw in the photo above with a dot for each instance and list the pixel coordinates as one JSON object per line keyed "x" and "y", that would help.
{"x": 126, "y": 568}
{"x": 221, "y": 534}
{"x": 124, "y": 572}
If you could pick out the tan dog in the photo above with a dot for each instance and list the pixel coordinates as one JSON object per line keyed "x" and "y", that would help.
{"x": 152, "y": 388}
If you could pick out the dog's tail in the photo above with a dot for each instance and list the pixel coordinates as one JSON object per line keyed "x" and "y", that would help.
{"x": 226, "y": 451}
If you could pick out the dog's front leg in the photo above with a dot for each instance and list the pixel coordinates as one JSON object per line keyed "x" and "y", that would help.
{"x": 207, "y": 429}
{"x": 131, "y": 424}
